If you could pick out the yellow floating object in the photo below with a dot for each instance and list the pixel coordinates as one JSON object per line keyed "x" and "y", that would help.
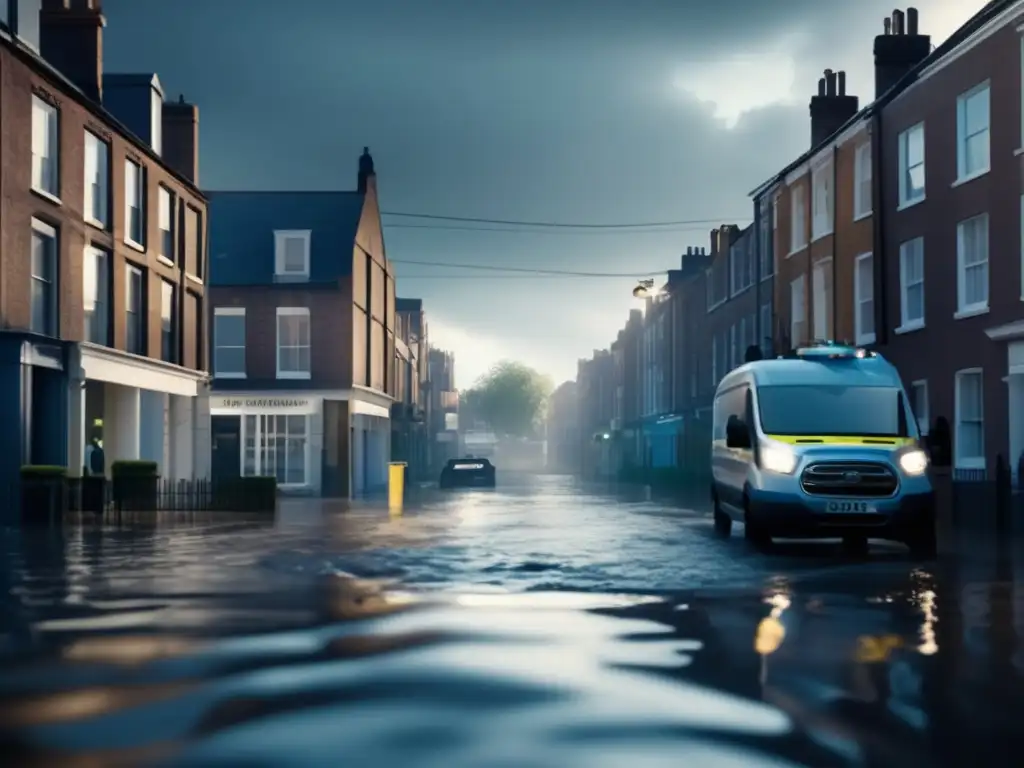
{"x": 396, "y": 485}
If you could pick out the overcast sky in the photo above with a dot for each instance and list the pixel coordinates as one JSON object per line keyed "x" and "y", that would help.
{"x": 574, "y": 111}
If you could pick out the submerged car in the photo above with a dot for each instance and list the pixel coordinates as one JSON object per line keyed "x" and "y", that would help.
{"x": 468, "y": 473}
{"x": 821, "y": 444}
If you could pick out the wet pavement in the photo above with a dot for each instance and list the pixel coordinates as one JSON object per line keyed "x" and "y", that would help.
{"x": 542, "y": 624}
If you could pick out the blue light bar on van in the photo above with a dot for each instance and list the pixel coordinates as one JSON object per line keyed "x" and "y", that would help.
{"x": 832, "y": 351}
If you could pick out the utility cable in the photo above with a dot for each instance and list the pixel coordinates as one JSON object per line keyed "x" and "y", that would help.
{"x": 562, "y": 224}
{"x": 523, "y": 230}
{"x": 528, "y": 270}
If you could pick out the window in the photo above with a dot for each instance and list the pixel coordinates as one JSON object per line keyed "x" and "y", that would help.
{"x": 972, "y": 264}
{"x": 741, "y": 267}
{"x": 135, "y": 308}
{"x": 912, "y": 284}
{"x": 44, "y": 278}
{"x": 972, "y": 132}
{"x": 821, "y": 202}
{"x": 734, "y": 347}
{"x": 831, "y": 409}
{"x": 969, "y": 438}
{"x": 229, "y": 342}
{"x": 919, "y": 405}
{"x": 291, "y": 255}
{"x": 864, "y": 299}
{"x": 97, "y": 180}
{"x": 822, "y": 301}
{"x": 276, "y": 445}
{"x": 168, "y": 322}
{"x": 767, "y": 266}
{"x": 166, "y": 223}
{"x": 797, "y": 312}
{"x": 911, "y": 159}
{"x": 96, "y": 295}
{"x": 293, "y": 348}
{"x": 798, "y": 237}
{"x": 714, "y": 360}
{"x": 862, "y": 181}
{"x": 45, "y": 147}
{"x": 134, "y": 204}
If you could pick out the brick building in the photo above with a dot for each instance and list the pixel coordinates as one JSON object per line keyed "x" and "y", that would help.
{"x": 102, "y": 253}
{"x": 303, "y": 336}
{"x": 410, "y": 413}
{"x": 444, "y": 414}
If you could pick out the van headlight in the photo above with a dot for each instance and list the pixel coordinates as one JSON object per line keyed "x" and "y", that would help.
{"x": 778, "y": 458}
{"x": 914, "y": 462}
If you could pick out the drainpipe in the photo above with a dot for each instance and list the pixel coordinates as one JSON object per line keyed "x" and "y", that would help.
{"x": 878, "y": 226}
{"x": 835, "y": 235}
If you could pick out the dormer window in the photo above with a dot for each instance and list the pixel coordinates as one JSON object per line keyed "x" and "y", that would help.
{"x": 291, "y": 255}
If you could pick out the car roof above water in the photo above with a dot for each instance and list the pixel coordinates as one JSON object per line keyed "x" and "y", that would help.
{"x": 858, "y": 372}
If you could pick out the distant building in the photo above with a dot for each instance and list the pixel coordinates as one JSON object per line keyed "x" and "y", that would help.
{"x": 303, "y": 337}
{"x": 410, "y": 414}
{"x": 562, "y": 430}
{"x": 444, "y": 422}
{"x": 103, "y": 254}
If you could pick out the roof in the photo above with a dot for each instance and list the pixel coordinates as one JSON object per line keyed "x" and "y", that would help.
{"x": 979, "y": 19}
{"x": 43, "y": 67}
{"x": 408, "y": 305}
{"x": 867, "y": 372}
{"x": 129, "y": 79}
{"x": 242, "y": 226}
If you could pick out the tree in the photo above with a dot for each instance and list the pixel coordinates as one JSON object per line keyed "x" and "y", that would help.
{"x": 510, "y": 398}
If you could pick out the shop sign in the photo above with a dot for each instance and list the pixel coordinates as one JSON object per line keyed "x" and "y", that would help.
{"x": 261, "y": 403}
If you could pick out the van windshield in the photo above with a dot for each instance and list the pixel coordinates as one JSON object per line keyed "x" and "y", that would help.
{"x": 827, "y": 409}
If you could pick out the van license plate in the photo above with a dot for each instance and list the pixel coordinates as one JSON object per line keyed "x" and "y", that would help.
{"x": 861, "y": 507}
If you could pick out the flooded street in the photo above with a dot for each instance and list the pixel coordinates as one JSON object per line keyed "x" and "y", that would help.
{"x": 543, "y": 624}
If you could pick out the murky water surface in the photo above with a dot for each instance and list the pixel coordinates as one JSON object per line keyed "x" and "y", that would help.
{"x": 544, "y": 624}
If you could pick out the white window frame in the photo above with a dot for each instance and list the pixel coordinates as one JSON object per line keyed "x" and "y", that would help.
{"x": 228, "y": 312}
{"x": 923, "y": 415}
{"x": 740, "y": 259}
{"x": 281, "y": 236}
{"x": 97, "y": 173}
{"x": 139, "y": 200}
{"x": 862, "y": 180}
{"x": 821, "y": 202}
{"x": 825, "y": 268}
{"x": 260, "y": 441}
{"x": 978, "y": 307}
{"x": 862, "y": 337}
{"x": 292, "y": 312}
{"x": 962, "y": 172}
{"x": 905, "y": 200}
{"x": 797, "y": 218}
{"x": 45, "y": 149}
{"x": 968, "y": 462}
{"x": 908, "y": 323}
{"x": 42, "y": 229}
{"x": 797, "y": 288}
{"x": 96, "y": 275}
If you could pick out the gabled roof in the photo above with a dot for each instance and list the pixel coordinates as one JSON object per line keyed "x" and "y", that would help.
{"x": 972, "y": 25}
{"x": 242, "y": 226}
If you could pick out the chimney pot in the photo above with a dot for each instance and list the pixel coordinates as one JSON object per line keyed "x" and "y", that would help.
{"x": 821, "y": 86}
{"x": 887, "y": 25}
{"x": 912, "y": 21}
{"x": 841, "y": 82}
{"x": 897, "y": 22}
{"x": 830, "y": 82}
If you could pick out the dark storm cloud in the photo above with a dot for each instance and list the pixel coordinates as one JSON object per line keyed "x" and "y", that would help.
{"x": 531, "y": 109}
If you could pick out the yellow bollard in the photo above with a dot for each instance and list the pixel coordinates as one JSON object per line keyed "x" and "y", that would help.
{"x": 396, "y": 485}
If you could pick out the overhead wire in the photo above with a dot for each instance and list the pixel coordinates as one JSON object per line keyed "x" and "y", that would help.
{"x": 561, "y": 224}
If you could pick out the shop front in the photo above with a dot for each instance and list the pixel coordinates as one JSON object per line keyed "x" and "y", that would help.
{"x": 279, "y": 436}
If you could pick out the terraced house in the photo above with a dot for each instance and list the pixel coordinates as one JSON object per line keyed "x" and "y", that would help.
{"x": 102, "y": 253}
{"x": 901, "y": 227}
{"x": 303, "y": 338}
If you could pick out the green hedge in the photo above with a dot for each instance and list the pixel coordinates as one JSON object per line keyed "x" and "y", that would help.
{"x": 134, "y": 468}
{"x": 42, "y": 471}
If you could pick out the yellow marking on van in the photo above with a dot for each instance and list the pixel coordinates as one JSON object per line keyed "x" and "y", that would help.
{"x": 890, "y": 442}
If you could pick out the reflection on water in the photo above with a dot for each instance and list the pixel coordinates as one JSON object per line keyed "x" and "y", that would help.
{"x": 178, "y": 641}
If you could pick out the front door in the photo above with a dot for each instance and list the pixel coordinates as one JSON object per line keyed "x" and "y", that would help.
{"x": 225, "y": 459}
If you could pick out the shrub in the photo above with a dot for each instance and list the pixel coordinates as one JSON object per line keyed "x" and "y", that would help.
{"x": 42, "y": 472}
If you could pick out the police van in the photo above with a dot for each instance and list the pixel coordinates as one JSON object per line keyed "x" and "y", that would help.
{"x": 821, "y": 443}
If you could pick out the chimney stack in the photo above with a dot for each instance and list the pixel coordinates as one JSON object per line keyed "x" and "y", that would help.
{"x": 899, "y": 49}
{"x": 71, "y": 40}
{"x": 180, "y": 128}
{"x": 832, "y": 107}
{"x": 367, "y": 176}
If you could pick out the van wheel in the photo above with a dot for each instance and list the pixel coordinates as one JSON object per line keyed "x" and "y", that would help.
{"x": 753, "y": 532}
{"x": 723, "y": 524}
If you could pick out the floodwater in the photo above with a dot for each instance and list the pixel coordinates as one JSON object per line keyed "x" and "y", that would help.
{"x": 542, "y": 624}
